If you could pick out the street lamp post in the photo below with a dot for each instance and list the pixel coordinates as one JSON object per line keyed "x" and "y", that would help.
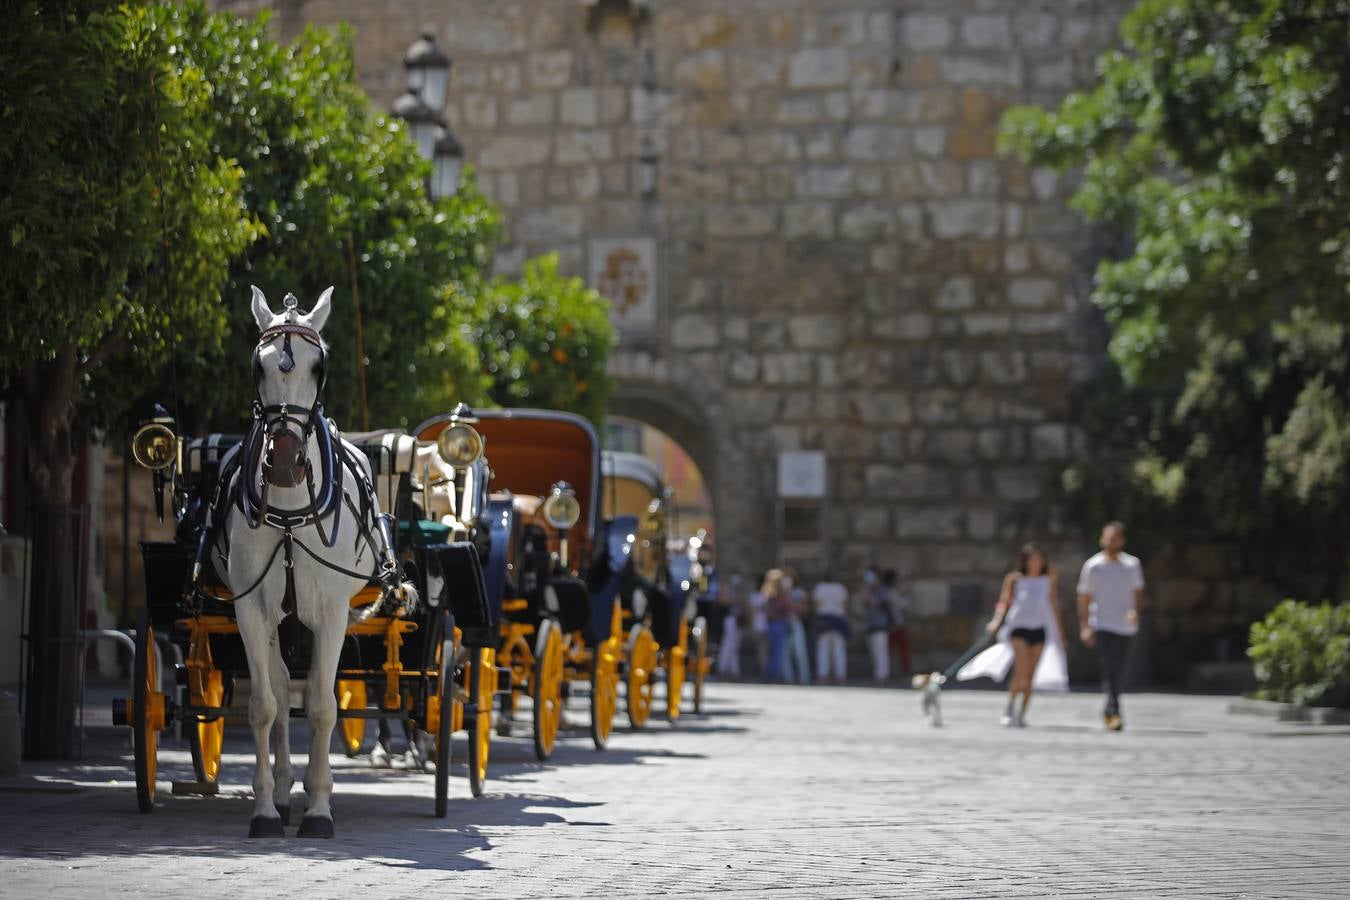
{"x": 421, "y": 107}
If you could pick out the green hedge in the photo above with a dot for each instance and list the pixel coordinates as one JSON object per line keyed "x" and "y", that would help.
{"x": 1301, "y": 654}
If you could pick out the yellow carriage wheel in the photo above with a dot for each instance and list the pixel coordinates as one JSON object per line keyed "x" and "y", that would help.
{"x": 482, "y": 688}
{"x": 642, "y": 652}
{"x": 207, "y": 738}
{"x": 604, "y": 691}
{"x": 701, "y": 662}
{"x": 546, "y": 685}
{"x": 147, "y": 714}
{"x": 675, "y": 673}
{"x": 351, "y": 694}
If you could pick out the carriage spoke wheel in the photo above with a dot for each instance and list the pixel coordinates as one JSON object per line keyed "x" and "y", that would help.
{"x": 147, "y": 714}
{"x": 206, "y": 738}
{"x": 642, "y": 651}
{"x": 547, "y": 685}
{"x": 482, "y": 688}
{"x": 352, "y": 695}
{"x": 441, "y": 718}
{"x": 675, "y": 673}
{"x": 700, "y": 636}
{"x": 604, "y": 691}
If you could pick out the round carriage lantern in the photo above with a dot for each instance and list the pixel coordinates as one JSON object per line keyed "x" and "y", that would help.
{"x": 423, "y": 121}
{"x": 428, "y": 70}
{"x": 447, "y": 161}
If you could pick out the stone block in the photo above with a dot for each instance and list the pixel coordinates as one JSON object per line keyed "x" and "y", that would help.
{"x": 480, "y": 110}
{"x": 867, "y": 222}
{"x": 992, "y": 71}
{"x": 953, "y": 219}
{"x": 929, "y": 523}
{"x": 972, "y": 143}
{"x": 579, "y": 107}
{"x": 909, "y": 481}
{"x": 703, "y": 71}
{"x": 550, "y": 69}
{"x": 871, "y": 523}
{"x": 773, "y": 145}
{"x": 816, "y": 332}
{"x": 986, "y": 32}
{"x": 938, "y": 407}
{"x": 926, "y": 31}
{"x": 530, "y": 109}
{"x": 1040, "y": 323}
{"x": 577, "y": 147}
{"x": 951, "y": 445}
{"x": 551, "y": 225}
{"x": 693, "y": 332}
{"x": 929, "y": 140}
{"x": 1032, "y": 293}
{"x": 956, "y": 294}
{"x": 981, "y": 524}
{"x": 872, "y": 143}
{"x": 824, "y": 181}
{"x": 808, "y": 220}
{"x": 1035, "y": 30}
{"x": 837, "y": 106}
{"x": 511, "y": 152}
{"x": 817, "y": 67}
{"x": 1019, "y": 483}
{"x": 904, "y": 327}
{"x": 1050, "y": 442}
{"x": 740, "y": 221}
{"x": 799, "y": 109}
{"x": 787, "y": 368}
{"x": 1003, "y": 366}
{"x": 985, "y": 324}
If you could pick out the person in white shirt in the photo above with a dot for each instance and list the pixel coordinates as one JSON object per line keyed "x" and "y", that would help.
{"x": 1110, "y": 597}
{"x": 830, "y": 601}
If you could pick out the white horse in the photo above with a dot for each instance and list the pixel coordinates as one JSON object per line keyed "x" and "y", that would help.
{"x": 302, "y": 525}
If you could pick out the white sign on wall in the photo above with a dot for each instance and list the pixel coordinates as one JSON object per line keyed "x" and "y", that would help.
{"x": 624, "y": 270}
{"x": 801, "y": 474}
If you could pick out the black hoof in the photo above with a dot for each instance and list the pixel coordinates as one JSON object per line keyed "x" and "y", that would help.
{"x": 315, "y": 827}
{"x": 265, "y": 827}
{"x": 285, "y": 812}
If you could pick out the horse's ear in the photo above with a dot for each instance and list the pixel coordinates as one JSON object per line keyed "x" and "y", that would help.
{"x": 322, "y": 307}
{"x": 262, "y": 314}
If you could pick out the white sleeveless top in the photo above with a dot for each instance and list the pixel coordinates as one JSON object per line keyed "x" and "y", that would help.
{"x": 1031, "y": 603}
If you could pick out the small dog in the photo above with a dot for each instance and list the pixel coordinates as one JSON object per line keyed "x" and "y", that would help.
{"x": 931, "y": 685}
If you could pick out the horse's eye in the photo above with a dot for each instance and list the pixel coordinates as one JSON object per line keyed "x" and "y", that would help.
{"x": 257, "y": 368}
{"x": 318, "y": 369}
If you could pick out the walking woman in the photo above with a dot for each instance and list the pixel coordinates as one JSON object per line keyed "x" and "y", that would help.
{"x": 778, "y": 612}
{"x": 1030, "y": 636}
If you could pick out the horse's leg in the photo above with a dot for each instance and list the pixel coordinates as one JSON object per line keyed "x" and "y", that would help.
{"x": 282, "y": 775}
{"x": 257, "y": 636}
{"x": 330, "y": 628}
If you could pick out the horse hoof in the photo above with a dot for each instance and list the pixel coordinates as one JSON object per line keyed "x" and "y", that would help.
{"x": 265, "y": 827}
{"x": 285, "y": 812}
{"x": 315, "y": 827}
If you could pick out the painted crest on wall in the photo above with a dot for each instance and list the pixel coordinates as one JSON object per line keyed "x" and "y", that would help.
{"x": 624, "y": 270}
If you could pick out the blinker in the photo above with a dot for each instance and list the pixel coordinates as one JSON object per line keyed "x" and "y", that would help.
{"x": 287, "y": 358}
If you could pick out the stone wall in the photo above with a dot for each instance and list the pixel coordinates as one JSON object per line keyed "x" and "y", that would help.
{"x": 846, "y": 263}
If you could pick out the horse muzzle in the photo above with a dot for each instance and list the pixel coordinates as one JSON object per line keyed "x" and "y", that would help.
{"x": 284, "y": 464}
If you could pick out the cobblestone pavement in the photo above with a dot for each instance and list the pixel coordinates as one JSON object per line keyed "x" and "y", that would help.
{"x": 775, "y": 792}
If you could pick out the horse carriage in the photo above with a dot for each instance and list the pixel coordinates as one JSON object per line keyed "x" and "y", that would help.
{"x": 657, "y": 593}
{"x": 384, "y": 621}
{"x": 560, "y": 622}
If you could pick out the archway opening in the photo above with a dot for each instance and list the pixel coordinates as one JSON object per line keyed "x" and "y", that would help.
{"x": 691, "y": 504}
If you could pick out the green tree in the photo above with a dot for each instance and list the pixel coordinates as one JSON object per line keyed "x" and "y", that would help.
{"x": 1217, "y": 139}
{"x": 114, "y": 220}
{"x": 340, "y": 188}
{"x": 544, "y": 340}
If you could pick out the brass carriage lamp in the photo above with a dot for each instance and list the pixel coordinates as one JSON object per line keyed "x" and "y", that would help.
{"x": 157, "y": 447}
{"x": 562, "y": 510}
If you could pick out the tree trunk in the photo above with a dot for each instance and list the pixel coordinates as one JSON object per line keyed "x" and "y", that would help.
{"x": 48, "y": 394}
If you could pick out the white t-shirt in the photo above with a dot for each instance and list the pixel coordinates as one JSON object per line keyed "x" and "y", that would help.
{"x": 830, "y": 598}
{"x": 1111, "y": 583}
{"x": 759, "y": 618}
{"x": 1031, "y": 603}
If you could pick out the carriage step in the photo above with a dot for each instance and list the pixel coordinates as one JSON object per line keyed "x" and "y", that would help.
{"x": 195, "y": 788}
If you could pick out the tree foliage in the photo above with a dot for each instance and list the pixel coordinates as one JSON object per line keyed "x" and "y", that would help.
{"x": 99, "y": 161}
{"x": 544, "y": 340}
{"x": 1217, "y": 138}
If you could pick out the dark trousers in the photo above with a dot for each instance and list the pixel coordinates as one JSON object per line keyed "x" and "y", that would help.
{"x": 1111, "y": 652}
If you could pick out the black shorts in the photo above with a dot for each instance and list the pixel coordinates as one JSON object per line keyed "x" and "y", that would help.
{"x": 1033, "y": 636}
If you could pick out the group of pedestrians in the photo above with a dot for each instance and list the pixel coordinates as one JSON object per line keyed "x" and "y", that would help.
{"x": 775, "y": 623}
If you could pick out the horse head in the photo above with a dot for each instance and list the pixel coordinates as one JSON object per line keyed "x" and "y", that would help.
{"x": 290, "y": 366}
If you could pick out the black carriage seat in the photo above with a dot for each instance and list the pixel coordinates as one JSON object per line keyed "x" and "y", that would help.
{"x": 525, "y": 601}
{"x": 568, "y": 599}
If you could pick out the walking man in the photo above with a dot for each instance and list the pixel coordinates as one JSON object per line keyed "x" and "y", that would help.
{"x": 1110, "y": 596}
